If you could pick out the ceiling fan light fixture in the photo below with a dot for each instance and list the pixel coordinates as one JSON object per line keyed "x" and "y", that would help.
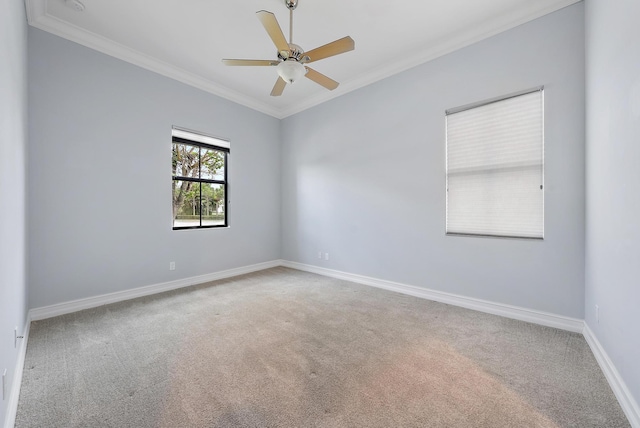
{"x": 291, "y": 70}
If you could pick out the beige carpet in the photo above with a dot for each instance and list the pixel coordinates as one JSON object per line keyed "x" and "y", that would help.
{"x": 283, "y": 348}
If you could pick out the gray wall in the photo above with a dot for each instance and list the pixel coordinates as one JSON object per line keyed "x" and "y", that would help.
{"x": 13, "y": 143}
{"x": 362, "y": 177}
{"x": 100, "y": 176}
{"x": 613, "y": 182}
{"x": 364, "y": 174}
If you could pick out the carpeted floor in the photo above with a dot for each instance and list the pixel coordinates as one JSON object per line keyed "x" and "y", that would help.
{"x": 284, "y": 348}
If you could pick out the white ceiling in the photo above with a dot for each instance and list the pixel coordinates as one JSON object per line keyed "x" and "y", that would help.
{"x": 186, "y": 39}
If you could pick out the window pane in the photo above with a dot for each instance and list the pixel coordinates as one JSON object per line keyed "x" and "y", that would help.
{"x": 185, "y": 160}
{"x": 196, "y": 202}
{"x": 186, "y": 203}
{"x": 213, "y": 197}
{"x": 212, "y": 164}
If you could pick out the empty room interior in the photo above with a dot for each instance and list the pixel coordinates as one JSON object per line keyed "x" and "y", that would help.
{"x": 434, "y": 225}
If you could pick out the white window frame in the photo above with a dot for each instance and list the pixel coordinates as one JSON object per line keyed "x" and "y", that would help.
{"x": 204, "y": 141}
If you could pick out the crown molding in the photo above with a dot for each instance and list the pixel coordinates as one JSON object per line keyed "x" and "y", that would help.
{"x": 468, "y": 38}
{"x": 35, "y": 9}
{"x": 37, "y": 17}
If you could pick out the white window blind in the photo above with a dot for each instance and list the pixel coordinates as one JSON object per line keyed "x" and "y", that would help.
{"x": 495, "y": 167}
{"x": 200, "y": 138}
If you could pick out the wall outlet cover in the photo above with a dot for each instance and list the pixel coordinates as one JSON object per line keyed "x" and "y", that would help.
{"x": 4, "y": 381}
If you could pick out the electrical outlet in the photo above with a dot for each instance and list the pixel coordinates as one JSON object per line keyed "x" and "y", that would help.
{"x": 172, "y": 265}
{"x": 326, "y": 256}
{"x": 319, "y": 254}
{"x": 4, "y": 382}
{"x": 598, "y": 314}
{"x": 16, "y": 337}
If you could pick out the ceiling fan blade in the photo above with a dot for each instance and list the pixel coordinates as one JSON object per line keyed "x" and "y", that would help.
{"x": 321, "y": 79}
{"x": 278, "y": 87}
{"x": 337, "y": 47}
{"x": 250, "y": 62}
{"x": 270, "y": 24}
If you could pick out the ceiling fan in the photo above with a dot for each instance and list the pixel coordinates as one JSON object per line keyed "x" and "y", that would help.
{"x": 291, "y": 58}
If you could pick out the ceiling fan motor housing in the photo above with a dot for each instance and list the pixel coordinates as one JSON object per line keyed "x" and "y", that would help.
{"x": 295, "y": 52}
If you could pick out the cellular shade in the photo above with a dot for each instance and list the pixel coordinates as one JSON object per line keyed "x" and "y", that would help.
{"x": 495, "y": 168}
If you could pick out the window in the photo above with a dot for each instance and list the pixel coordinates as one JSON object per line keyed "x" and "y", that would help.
{"x": 495, "y": 167}
{"x": 199, "y": 180}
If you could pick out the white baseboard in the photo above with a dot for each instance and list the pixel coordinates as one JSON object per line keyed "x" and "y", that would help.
{"x": 515, "y": 312}
{"x": 14, "y": 395}
{"x": 119, "y": 296}
{"x": 619, "y": 387}
{"x": 523, "y": 314}
{"x": 622, "y": 393}
{"x": 627, "y": 402}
